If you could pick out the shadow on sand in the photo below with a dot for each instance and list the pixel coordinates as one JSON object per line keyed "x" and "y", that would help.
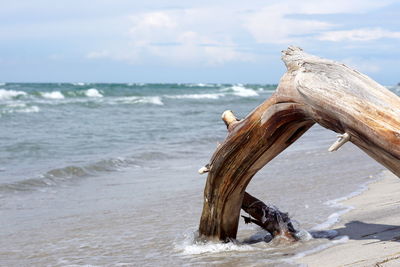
{"x": 357, "y": 230}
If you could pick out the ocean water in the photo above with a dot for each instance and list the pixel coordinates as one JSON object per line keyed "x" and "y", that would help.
{"x": 106, "y": 175}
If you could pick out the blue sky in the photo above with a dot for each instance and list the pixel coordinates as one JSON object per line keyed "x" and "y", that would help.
{"x": 191, "y": 41}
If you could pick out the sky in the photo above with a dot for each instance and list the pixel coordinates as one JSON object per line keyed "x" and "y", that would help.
{"x": 192, "y": 41}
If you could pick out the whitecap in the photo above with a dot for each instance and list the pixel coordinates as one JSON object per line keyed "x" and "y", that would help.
{"x": 31, "y": 109}
{"x": 16, "y": 105}
{"x": 93, "y": 92}
{"x": 52, "y": 95}
{"x": 199, "y": 85}
{"x": 2, "y": 84}
{"x": 79, "y": 84}
{"x": 20, "y": 108}
{"x": 195, "y": 96}
{"x": 240, "y": 90}
{"x": 155, "y": 100}
{"x": 8, "y": 94}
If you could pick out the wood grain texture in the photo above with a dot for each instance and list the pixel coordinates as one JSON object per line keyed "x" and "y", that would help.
{"x": 313, "y": 90}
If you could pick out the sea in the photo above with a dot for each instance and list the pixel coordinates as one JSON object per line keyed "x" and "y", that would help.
{"x": 107, "y": 175}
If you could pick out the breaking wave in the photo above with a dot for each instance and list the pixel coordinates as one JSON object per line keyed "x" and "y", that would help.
{"x": 73, "y": 173}
{"x": 93, "y": 92}
{"x": 68, "y": 174}
{"x": 195, "y": 96}
{"x": 10, "y": 94}
{"x": 240, "y": 90}
{"x": 200, "y": 85}
{"x": 155, "y": 100}
{"x": 52, "y": 95}
{"x": 79, "y": 84}
{"x": 18, "y": 108}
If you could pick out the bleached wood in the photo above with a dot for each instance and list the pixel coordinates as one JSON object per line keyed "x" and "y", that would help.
{"x": 312, "y": 90}
{"x": 204, "y": 169}
{"x": 342, "y": 139}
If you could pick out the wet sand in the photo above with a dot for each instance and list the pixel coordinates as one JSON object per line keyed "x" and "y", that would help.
{"x": 372, "y": 228}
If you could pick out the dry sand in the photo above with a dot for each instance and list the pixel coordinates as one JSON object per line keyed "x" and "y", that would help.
{"x": 373, "y": 229}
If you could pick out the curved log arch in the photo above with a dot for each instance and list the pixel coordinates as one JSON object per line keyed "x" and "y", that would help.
{"x": 313, "y": 90}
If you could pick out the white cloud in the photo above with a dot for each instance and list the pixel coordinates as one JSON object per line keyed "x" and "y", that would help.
{"x": 362, "y": 64}
{"x": 216, "y": 34}
{"x": 176, "y": 36}
{"x": 274, "y": 24}
{"x": 365, "y": 34}
{"x": 270, "y": 25}
{"x": 98, "y": 54}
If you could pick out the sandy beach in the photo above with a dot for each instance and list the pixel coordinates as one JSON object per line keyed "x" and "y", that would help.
{"x": 372, "y": 228}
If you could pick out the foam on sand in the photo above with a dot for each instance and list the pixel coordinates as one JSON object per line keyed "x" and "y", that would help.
{"x": 337, "y": 203}
{"x": 337, "y": 240}
{"x": 372, "y": 228}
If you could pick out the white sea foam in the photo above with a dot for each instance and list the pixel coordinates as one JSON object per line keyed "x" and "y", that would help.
{"x": 16, "y": 105}
{"x": 93, "y": 92}
{"x": 195, "y": 96}
{"x": 336, "y": 203}
{"x": 79, "y": 84}
{"x": 8, "y": 94}
{"x": 20, "y": 108}
{"x": 201, "y": 248}
{"x": 155, "y": 100}
{"x": 332, "y": 219}
{"x": 338, "y": 240}
{"x": 202, "y": 85}
{"x": 199, "y": 85}
{"x": 31, "y": 109}
{"x": 2, "y": 84}
{"x": 240, "y": 90}
{"x": 52, "y": 95}
{"x": 189, "y": 246}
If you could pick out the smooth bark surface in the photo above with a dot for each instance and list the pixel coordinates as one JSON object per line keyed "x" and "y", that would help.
{"x": 313, "y": 90}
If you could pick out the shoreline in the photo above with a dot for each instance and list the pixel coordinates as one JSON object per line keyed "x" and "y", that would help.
{"x": 372, "y": 228}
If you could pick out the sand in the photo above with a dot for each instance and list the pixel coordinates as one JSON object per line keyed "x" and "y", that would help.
{"x": 372, "y": 227}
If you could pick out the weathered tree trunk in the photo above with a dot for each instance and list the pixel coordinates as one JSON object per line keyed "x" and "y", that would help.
{"x": 312, "y": 90}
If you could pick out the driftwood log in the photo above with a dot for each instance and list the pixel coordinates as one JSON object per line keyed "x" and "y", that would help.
{"x": 313, "y": 90}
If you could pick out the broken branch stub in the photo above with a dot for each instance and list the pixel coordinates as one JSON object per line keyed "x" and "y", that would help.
{"x": 368, "y": 115}
{"x": 342, "y": 139}
{"x": 229, "y": 118}
{"x": 268, "y": 218}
